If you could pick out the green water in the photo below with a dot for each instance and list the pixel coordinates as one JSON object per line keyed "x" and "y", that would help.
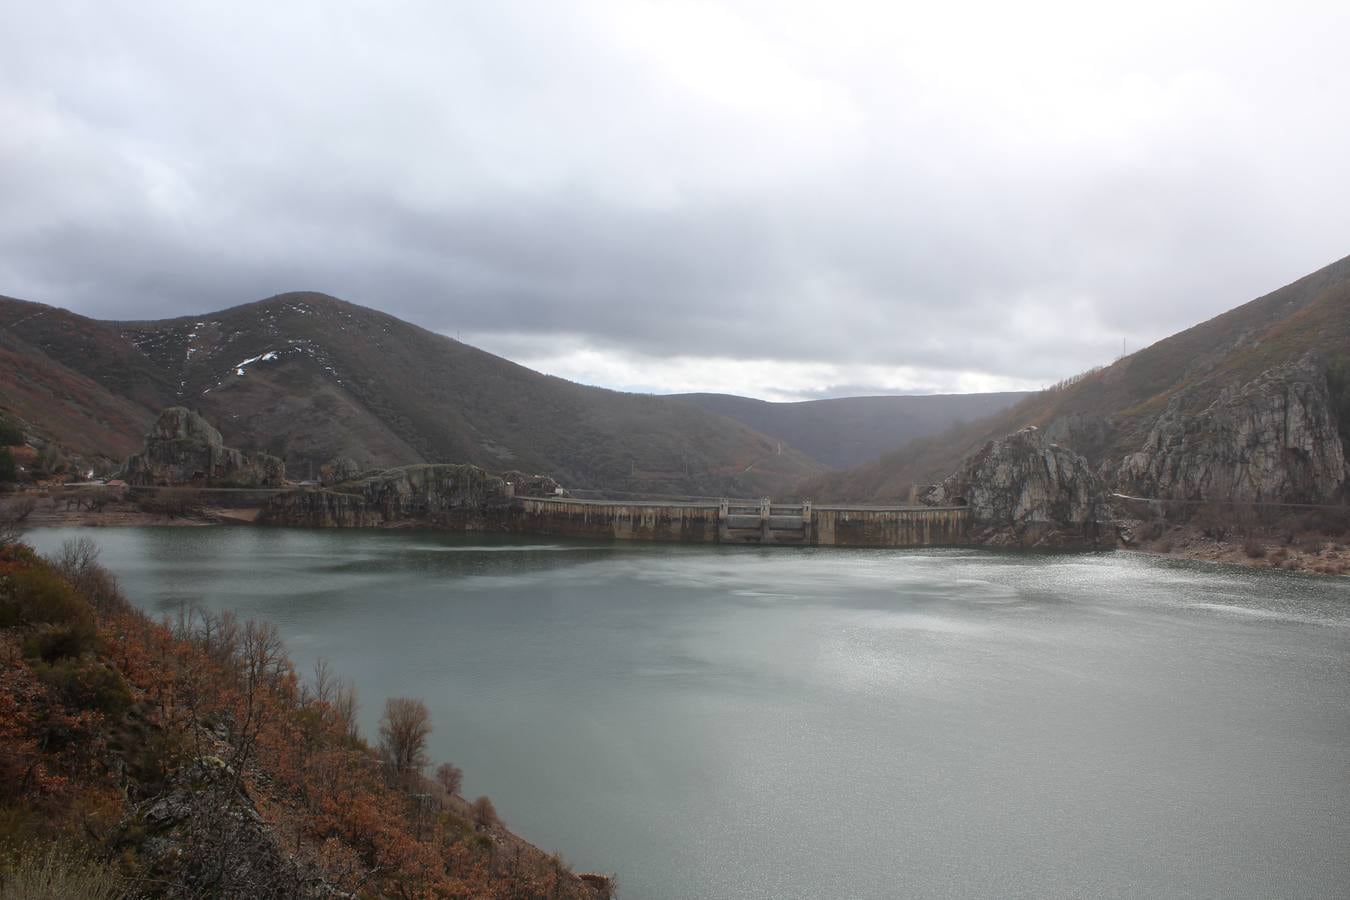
{"x": 775, "y": 722}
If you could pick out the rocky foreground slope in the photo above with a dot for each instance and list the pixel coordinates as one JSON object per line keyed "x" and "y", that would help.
{"x": 190, "y": 759}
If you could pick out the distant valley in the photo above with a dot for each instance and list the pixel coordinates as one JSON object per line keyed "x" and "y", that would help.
{"x": 847, "y": 431}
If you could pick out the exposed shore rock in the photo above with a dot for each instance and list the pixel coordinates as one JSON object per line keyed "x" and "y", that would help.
{"x": 432, "y": 494}
{"x": 183, "y": 449}
{"x": 1025, "y": 491}
{"x": 1273, "y": 439}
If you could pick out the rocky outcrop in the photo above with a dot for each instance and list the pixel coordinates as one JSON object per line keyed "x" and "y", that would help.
{"x": 183, "y": 449}
{"x": 339, "y": 470}
{"x": 203, "y": 837}
{"x": 1273, "y": 439}
{"x": 1023, "y": 490}
{"x": 430, "y": 494}
{"x": 523, "y": 485}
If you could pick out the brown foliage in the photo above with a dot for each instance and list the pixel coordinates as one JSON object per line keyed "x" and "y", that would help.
{"x": 484, "y": 813}
{"x": 85, "y": 735}
{"x": 404, "y": 729}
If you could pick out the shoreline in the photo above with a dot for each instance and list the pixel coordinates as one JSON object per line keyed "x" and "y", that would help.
{"x": 1312, "y": 555}
{"x": 1307, "y": 554}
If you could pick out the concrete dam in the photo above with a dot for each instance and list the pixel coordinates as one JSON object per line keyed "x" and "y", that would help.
{"x": 743, "y": 522}
{"x": 465, "y": 498}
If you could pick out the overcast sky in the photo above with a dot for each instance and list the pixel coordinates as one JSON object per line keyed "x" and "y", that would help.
{"x": 777, "y": 199}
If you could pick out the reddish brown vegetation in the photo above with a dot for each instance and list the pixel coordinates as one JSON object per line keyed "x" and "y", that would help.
{"x": 105, "y": 713}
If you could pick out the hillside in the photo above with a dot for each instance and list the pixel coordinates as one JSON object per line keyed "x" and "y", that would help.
{"x": 846, "y": 431}
{"x": 308, "y": 377}
{"x": 149, "y": 759}
{"x": 1108, "y": 413}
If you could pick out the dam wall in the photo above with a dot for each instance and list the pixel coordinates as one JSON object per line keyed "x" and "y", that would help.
{"x": 464, "y": 498}
{"x": 689, "y": 523}
{"x": 759, "y": 522}
{"x": 842, "y": 526}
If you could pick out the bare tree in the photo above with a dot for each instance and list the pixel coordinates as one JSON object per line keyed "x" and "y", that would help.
{"x": 484, "y": 813}
{"x": 344, "y": 708}
{"x": 76, "y": 557}
{"x": 12, "y": 516}
{"x": 324, "y": 682}
{"x": 404, "y": 729}
{"x": 451, "y": 777}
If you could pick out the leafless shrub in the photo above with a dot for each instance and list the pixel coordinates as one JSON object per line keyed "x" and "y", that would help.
{"x": 77, "y": 562}
{"x": 450, "y": 777}
{"x": 1253, "y": 548}
{"x": 484, "y": 813}
{"x": 335, "y": 696}
{"x": 404, "y": 729}
{"x": 1213, "y": 520}
{"x": 13, "y": 515}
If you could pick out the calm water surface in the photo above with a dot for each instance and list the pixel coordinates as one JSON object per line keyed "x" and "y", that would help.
{"x": 764, "y": 723}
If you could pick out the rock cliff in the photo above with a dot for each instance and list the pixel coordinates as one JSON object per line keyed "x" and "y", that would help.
{"x": 182, "y": 448}
{"x": 1272, "y": 439}
{"x": 439, "y": 494}
{"x": 1024, "y": 490}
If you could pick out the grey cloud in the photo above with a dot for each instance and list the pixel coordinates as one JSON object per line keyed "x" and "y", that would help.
{"x": 525, "y": 169}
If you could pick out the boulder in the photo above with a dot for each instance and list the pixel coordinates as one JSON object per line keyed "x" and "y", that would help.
{"x": 1023, "y": 490}
{"x": 183, "y": 449}
{"x": 1273, "y": 439}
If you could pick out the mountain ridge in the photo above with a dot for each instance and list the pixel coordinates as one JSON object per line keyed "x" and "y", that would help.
{"x": 307, "y": 377}
{"x": 1107, "y": 413}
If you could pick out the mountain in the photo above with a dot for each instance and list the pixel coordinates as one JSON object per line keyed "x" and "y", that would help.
{"x": 308, "y": 377}
{"x": 1216, "y": 394}
{"x": 846, "y": 431}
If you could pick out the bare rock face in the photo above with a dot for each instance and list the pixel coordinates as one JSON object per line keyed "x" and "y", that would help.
{"x": 203, "y": 837}
{"x": 1023, "y": 490}
{"x": 1273, "y": 439}
{"x": 525, "y": 485}
{"x": 183, "y": 449}
{"x": 439, "y": 494}
{"x": 339, "y": 470}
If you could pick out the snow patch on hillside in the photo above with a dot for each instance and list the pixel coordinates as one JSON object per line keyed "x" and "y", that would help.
{"x": 262, "y": 357}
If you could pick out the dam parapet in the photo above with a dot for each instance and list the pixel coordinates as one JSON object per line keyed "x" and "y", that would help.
{"x": 744, "y": 522}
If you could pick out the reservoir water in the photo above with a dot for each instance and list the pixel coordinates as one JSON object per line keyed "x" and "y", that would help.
{"x": 775, "y": 722}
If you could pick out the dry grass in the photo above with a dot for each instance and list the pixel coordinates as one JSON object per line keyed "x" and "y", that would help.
{"x": 59, "y": 872}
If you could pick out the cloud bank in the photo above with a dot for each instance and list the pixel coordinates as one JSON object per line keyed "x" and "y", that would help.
{"x": 775, "y": 199}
